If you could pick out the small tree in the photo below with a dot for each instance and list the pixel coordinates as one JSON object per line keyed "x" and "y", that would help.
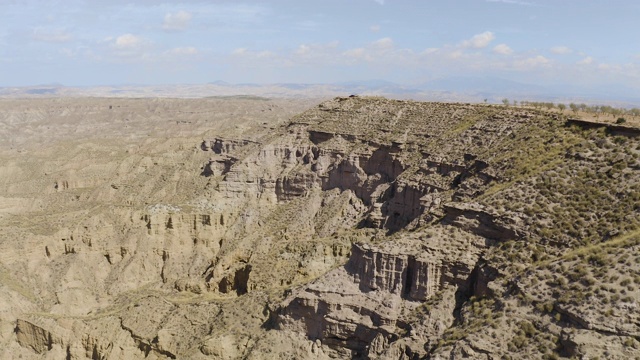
{"x": 574, "y": 108}
{"x": 505, "y": 102}
{"x": 616, "y": 112}
{"x": 606, "y": 109}
{"x": 562, "y": 107}
{"x": 621, "y": 120}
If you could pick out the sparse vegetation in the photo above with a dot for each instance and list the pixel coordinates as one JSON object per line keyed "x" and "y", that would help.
{"x": 489, "y": 229}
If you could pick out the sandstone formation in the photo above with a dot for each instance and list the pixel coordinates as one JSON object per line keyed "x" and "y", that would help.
{"x": 358, "y": 228}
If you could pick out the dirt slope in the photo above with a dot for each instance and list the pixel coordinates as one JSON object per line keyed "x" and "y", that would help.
{"x": 358, "y": 228}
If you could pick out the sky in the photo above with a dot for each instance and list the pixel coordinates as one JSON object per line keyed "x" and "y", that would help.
{"x": 145, "y": 42}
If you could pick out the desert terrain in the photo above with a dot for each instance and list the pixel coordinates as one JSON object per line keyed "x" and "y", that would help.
{"x": 347, "y": 227}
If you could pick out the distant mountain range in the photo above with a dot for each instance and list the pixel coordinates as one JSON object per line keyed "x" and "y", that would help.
{"x": 466, "y": 89}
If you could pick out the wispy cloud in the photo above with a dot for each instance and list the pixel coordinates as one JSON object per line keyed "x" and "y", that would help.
{"x": 327, "y": 54}
{"x": 586, "y": 61}
{"x": 381, "y": 2}
{"x": 250, "y": 56}
{"x": 127, "y": 41}
{"x": 240, "y": 51}
{"x": 502, "y": 49}
{"x": 178, "y": 21}
{"x": 448, "y": 59}
{"x": 51, "y": 35}
{"x": 128, "y": 47}
{"x": 381, "y": 51}
{"x": 182, "y": 51}
{"x": 383, "y": 44}
{"x": 309, "y": 51}
{"x": 479, "y": 41}
{"x": 561, "y": 50}
{"x": 532, "y": 63}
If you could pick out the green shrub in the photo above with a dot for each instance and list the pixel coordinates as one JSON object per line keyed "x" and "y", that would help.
{"x": 528, "y": 328}
{"x": 519, "y": 342}
{"x": 630, "y": 342}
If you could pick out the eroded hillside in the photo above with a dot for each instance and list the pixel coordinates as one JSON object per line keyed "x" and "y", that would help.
{"x": 359, "y": 228}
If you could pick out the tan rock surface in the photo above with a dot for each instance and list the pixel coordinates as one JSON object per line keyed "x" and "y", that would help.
{"x": 359, "y": 228}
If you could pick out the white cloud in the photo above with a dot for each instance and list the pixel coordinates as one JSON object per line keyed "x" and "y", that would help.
{"x": 176, "y": 21}
{"x": 247, "y": 58}
{"x": 266, "y": 54}
{"x": 357, "y": 53}
{"x": 306, "y": 50}
{"x": 586, "y": 61}
{"x": 383, "y": 44}
{"x": 303, "y": 50}
{"x": 384, "y": 53}
{"x": 626, "y": 70}
{"x": 479, "y": 41}
{"x": 502, "y": 49}
{"x": 249, "y": 54}
{"x": 374, "y": 28}
{"x": 183, "y": 51}
{"x": 127, "y": 41}
{"x": 561, "y": 50}
{"x": 320, "y": 54}
{"x": 240, "y": 51}
{"x": 457, "y": 54}
{"x": 532, "y": 62}
{"x": 51, "y": 35}
{"x": 381, "y": 51}
{"x": 381, "y": 2}
{"x": 129, "y": 47}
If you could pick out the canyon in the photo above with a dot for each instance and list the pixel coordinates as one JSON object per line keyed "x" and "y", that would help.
{"x": 351, "y": 227}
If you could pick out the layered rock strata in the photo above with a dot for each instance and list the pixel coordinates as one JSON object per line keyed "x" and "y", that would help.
{"x": 360, "y": 228}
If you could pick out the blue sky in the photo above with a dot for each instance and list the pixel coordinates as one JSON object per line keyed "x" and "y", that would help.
{"x": 545, "y": 42}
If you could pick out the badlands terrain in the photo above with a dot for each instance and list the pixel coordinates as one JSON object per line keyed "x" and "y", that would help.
{"x": 356, "y": 227}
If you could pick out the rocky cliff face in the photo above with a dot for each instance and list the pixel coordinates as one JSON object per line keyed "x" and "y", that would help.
{"x": 360, "y": 228}
{"x": 369, "y": 298}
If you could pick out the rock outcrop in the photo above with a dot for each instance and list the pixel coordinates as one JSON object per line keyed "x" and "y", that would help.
{"x": 370, "y": 296}
{"x": 359, "y": 228}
